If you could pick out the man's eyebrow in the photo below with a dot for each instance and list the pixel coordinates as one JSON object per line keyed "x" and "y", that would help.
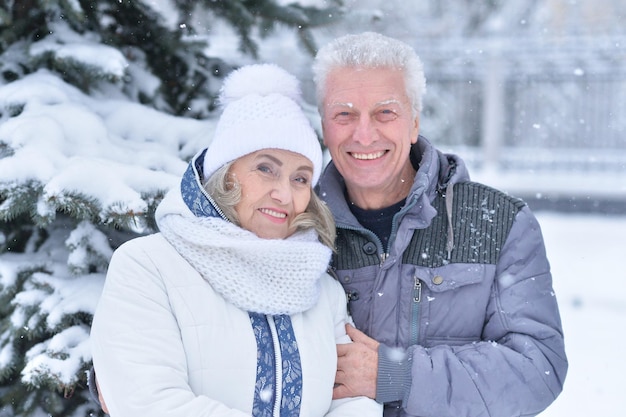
{"x": 340, "y": 104}
{"x": 389, "y": 101}
{"x": 380, "y": 103}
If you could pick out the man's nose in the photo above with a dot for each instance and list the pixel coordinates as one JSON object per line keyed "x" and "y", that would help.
{"x": 365, "y": 132}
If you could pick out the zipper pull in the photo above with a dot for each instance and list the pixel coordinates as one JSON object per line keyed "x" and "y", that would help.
{"x": 383, "y": 258}
{"x": 417, "y": 290}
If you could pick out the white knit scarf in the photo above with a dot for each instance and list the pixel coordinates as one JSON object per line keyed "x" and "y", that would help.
{"x": 268, "y": 276}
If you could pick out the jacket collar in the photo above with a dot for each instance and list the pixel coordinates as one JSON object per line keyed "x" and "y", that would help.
{"x": 197, "y": 200}
{"x": 436, "y": 170}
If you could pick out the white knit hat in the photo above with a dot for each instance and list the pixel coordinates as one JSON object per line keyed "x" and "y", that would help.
{"x": 261, "y": 111}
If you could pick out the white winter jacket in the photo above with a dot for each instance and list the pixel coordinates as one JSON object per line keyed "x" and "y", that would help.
{"x": 165, "y": 343}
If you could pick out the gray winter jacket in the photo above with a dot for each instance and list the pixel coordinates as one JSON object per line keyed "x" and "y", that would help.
{"x": 462, "y": 304}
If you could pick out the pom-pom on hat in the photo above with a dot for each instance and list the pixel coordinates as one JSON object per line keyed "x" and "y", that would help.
{"x": 261, "y": 111}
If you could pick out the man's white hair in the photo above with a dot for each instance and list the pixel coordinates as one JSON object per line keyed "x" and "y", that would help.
{"x": 369, "y": 50}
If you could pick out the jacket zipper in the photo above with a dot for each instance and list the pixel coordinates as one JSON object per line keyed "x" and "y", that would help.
{"x": 383, "y": 258}
{"x": 415, "y": 310}
{"x": 379, "y": 244}
{"x": 278, "y": 378}
{"x": 394, "y": 223}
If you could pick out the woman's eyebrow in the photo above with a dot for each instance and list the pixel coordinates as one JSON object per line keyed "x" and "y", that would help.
{"x": 280, "y": 163}
{"x": 270, "y": 157}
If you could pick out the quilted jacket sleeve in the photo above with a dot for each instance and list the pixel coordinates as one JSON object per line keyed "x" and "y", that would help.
{"x": 520, "y": 366}
{"x": 136, "y": 343}
{"x": 357, "y": 406}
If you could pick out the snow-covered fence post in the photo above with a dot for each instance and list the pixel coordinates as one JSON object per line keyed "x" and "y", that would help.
{"x": 493, "y": 115}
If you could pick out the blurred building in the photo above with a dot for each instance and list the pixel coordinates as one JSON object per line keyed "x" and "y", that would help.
{"x": 532, "y": 94}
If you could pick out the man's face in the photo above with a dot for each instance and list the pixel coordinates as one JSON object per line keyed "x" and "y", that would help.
{"x": 368, "y": 128}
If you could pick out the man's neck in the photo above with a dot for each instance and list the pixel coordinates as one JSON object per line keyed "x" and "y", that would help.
{"x": 375, "y": 199}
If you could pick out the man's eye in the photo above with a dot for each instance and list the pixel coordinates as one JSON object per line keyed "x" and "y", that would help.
{"x": 386, "y": 115}
{"x": 343, "y": 116}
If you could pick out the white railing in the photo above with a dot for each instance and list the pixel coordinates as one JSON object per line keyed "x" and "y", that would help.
{"x": 534, "y": 104}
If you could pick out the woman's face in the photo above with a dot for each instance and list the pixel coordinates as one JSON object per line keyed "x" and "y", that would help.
{"x": 275, "y": 188}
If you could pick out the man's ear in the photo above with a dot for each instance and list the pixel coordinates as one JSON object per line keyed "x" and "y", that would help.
{"x": 416, "y": 129}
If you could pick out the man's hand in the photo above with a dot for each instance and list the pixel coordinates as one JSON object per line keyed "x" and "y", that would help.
{"x": 357, "y": 366}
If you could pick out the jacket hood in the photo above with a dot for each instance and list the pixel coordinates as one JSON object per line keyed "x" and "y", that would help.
{"x": 190, "y": 199}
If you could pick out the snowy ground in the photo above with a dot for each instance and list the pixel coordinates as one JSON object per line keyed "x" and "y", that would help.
{"x": 586, "y": 253}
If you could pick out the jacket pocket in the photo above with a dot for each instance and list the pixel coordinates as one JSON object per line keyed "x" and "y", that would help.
{"x": 455, "y": 302}
{"x": 454, "y": 277}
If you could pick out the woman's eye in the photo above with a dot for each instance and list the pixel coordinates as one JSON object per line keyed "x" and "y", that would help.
{"x": 302, "y": 180}
{"x": 265, "y": 168}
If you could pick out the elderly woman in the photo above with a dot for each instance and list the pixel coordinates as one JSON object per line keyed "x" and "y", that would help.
{"x": 229, "y": 311}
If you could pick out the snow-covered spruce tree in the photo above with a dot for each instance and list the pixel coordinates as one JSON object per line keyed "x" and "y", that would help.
{"x": 101, "y": 105}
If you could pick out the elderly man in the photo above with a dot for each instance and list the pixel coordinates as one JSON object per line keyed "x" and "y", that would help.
{"x": 448, "y": 280}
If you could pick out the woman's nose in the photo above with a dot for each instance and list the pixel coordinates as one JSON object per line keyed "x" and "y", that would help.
{"x": 281, "y": 191}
